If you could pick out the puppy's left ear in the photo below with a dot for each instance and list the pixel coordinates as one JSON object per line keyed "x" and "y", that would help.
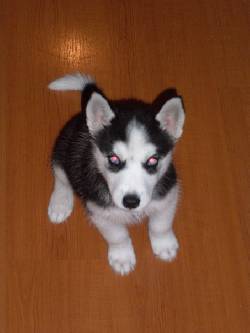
{"x": 171, "y": 117}
{"x": 98, "y": 112}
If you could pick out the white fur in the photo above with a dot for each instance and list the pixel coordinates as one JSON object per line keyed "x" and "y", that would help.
{"x": 75, "y": 81}
{"x": 172, "y": 117}
{"x": 99, "y": 113}
{"x": 122, "y": 258}
{"x": 161, "y": 214}
{"x": 111, "y": 222}
{"x": 133, "y": 178}
{"x": 61, "y": 201}
{"x": 165, "y": 246}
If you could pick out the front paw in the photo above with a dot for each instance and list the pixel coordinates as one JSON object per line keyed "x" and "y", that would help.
{"x": 165, "y": 247}
{"x": 122, "y": 258}
{"x": 60, "y": 206}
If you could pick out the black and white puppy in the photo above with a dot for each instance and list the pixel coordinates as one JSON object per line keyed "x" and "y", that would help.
{"x": 117, "y": 157}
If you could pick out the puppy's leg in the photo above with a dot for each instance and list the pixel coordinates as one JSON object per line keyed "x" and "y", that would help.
{"x": 61, "y": 201}
{"x": 162, "y": 237}
{"x": 121, "y": 254}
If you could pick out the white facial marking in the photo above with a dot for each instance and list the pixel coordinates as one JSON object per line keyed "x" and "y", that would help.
{"x": 137, "y": 148}
{"x": 133, "y": 179}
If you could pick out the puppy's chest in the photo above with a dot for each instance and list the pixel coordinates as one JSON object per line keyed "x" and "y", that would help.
{"x": 114, "y": 214}
{"x": 125, "y": 217}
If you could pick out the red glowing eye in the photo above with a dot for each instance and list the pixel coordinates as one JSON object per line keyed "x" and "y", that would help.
{"x": 152, "y": 161}
{"x": 114, "y": 160}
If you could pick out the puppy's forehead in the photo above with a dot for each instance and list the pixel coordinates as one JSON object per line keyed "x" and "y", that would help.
{"x": 137, "y": 146}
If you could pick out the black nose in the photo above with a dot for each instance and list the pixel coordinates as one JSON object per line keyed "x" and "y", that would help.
{"x": 131, "y": 201}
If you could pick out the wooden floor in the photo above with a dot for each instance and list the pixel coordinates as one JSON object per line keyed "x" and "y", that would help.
{"x": 55, "y": 278}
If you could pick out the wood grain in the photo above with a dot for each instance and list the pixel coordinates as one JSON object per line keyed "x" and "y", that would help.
{"x": 56, "y": 278}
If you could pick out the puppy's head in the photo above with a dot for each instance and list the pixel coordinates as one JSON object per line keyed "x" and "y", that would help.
{"x": 133, "y": 143}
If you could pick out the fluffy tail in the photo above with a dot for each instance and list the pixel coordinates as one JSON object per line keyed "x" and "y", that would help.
{"x": 75, "y": 81}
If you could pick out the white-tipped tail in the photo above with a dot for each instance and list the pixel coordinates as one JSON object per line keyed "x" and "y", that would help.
{"x": 75, "y": 81}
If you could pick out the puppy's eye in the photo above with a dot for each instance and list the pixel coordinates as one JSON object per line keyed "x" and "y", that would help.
{"x": 114, "y": 160}
{"x": 152, "y": 161}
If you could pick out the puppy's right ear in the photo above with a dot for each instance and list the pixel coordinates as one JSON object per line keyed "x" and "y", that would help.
{"x": 98, "y": 113}
{"x": 171, "y": 117}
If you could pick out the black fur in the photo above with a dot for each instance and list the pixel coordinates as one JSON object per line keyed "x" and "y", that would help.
{"x": 165, "y": 183}
{"x": 73, "y": 147}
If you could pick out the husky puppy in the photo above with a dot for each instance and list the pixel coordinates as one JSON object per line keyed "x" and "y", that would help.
{"x": 117, "y": 157}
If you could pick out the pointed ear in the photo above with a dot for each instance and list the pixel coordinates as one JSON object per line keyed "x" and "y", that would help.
{"x": 171, "y": 117}
{"x": 98, "y": 113}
